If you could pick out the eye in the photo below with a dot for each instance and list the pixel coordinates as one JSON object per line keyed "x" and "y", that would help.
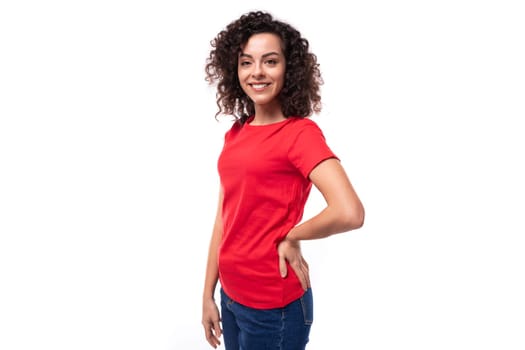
{"x": 271, "y": 62}
{"x": 245, "y": 63}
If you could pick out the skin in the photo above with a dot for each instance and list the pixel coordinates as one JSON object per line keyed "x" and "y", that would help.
{"x": 262, "y": 61}
{"x": 210, "y": 312}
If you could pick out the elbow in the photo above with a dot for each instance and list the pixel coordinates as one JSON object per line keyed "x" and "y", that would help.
{"x": 352, "y": 219}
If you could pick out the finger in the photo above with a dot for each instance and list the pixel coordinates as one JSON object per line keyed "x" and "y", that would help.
{"x": 304, "y": 280}
{"x": 307, "y": 278}
{"x": 282, "y": 267}
{"x": 300, "y": 273}
{"x": 307, "y": 273}
{"x": 208, "y": 334}
{"x": 210, "y": 337}
{"x": 217, "y": 329}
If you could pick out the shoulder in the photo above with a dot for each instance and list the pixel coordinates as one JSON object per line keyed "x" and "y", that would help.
{"x": 234, "y": 129}
{"x": 301, "y": 125}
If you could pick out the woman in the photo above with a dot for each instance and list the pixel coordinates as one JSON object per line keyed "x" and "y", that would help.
{"x": 269, "y": 81}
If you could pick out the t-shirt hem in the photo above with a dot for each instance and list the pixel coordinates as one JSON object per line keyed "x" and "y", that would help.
{"x": 265, "y": 306}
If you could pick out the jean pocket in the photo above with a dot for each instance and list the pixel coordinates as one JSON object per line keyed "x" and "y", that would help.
{"x": 307, "y": 304}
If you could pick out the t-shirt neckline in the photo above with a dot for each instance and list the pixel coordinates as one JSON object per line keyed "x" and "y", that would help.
{"x": 250, "y": 119}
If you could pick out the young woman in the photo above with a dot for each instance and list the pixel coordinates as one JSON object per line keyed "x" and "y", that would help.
{"x": 269, "y": 81}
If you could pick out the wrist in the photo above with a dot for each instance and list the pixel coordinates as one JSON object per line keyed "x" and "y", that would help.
{"x": 290, "y": 237}
{"x": 208, "y": 298}
{"x": 208, "y": 295}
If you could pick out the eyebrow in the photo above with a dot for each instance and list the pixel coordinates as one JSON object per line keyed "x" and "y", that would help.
{"x": 263, "y": 56}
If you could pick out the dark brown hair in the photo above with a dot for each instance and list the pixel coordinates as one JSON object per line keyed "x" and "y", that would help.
{"x": 300, "y": 94}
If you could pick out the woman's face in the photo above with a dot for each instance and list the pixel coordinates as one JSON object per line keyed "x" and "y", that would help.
{"x": 261, "y": 68}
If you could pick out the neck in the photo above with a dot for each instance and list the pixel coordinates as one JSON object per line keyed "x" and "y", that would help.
{"x": 267, "y": 114}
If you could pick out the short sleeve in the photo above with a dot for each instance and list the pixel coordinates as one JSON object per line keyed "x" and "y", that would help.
{"x": 309, "y": 148}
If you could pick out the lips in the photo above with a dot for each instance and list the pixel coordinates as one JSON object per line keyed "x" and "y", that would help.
{"x": 259, "y": 86}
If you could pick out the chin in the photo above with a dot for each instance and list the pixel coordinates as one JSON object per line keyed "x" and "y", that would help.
{"x": 261, "y": 101}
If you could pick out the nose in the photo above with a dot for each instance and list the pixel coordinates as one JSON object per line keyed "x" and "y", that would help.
{"x": 258, "y": 71}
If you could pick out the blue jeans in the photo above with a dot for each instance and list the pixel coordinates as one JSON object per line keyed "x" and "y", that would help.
{"x": 286, "y": 328}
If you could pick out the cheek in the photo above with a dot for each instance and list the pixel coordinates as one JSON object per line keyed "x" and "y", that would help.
{"x": 281, "y": 83}
{"x": 242, "y": 84}
{"x": 241, "y": 74}
{"x": 283, "y": 74}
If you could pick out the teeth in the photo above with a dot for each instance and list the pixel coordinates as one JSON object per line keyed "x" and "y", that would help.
{"x": 259, "y": 86}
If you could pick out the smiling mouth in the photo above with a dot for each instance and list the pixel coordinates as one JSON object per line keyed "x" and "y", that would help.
{"x": 259, "y": 86}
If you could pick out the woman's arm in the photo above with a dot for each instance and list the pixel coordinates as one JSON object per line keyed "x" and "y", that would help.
{"x": 344, "y": 212}
{"x": 210, "y": 312}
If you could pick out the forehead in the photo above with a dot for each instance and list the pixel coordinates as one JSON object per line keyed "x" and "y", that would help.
{"x": 261, "y": 43}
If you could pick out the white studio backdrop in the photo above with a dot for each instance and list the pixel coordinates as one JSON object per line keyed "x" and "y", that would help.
{"x": 108, "y": 183}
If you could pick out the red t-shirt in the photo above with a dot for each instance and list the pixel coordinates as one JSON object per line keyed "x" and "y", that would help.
{"x": 264, "y": 173}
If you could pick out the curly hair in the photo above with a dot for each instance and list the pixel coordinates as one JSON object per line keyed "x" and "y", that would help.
{"x": 300, "y": 95}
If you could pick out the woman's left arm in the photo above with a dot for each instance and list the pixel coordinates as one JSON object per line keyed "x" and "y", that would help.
{"x": 344, "y": 212}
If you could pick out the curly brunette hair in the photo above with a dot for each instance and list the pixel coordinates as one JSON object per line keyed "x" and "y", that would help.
{"x": 300, "y": 94}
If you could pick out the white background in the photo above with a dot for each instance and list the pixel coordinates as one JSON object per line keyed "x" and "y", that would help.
{"x": 108, "y": 189}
